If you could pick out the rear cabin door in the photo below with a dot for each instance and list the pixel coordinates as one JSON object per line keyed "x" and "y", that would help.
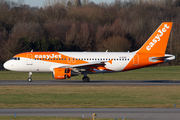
{"x": 136, "y": 60}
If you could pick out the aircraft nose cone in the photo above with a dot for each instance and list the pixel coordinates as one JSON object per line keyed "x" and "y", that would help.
{"x": 7, "y": 65}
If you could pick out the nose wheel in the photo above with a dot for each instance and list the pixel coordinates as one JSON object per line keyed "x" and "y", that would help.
{"x": 29, "y": 79}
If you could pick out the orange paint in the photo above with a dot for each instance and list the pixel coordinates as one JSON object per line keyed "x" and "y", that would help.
{"x": 61, "y": 73}
{"x": 158, "y": 41}
{"x": 143, "y": 61}
{"x": 52, "y": 57}
{"x": 155, "y": 46}
{"x": 110, "y": 61}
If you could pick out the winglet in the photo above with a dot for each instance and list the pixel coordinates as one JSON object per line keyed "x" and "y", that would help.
{"x": 157, "y": 43}
{"x": 110, "y": 61}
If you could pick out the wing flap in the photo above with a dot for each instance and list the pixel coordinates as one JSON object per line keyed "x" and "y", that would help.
{"x": 88, "y": 64}
{"x": 91, "y": 66}
{"x": 82, "y": 65}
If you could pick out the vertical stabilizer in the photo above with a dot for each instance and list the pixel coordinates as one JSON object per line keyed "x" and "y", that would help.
{"x": 157, "y": 43}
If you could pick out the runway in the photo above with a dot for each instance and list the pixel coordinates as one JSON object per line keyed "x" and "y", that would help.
{"x": 128, "y": 113}
{"x": 93, "y": 82}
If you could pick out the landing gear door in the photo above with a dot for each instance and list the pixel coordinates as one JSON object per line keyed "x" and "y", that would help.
{"x": 29, "y": 59}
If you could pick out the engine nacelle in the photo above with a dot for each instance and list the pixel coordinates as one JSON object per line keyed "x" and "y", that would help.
{"x": 61, "y": 73}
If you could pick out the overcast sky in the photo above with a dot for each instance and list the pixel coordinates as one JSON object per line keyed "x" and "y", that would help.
{"x": 40, "y": 3}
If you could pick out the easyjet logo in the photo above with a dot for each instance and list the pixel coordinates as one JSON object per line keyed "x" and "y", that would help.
{"x": 48, "y": 56}
{"x": 157, "y": 37}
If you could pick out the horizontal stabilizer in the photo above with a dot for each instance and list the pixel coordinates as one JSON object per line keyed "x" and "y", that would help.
{"x": 165, "y": 58}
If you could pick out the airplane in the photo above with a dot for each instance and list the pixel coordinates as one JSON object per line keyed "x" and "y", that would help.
{"x": 64, "y": 65}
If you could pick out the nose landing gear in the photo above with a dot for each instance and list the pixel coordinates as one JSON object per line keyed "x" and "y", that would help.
{"x": 29, "y": 79}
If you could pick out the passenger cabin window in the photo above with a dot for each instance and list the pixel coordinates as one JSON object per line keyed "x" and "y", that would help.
{"x": 15, "y": 58}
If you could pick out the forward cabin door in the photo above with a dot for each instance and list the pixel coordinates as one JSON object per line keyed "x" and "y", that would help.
{"x": 136, "y": 60}
{"x": 29, "y": 60}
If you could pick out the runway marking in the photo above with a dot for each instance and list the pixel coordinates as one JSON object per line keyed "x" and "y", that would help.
{"x": 98, "y": 82}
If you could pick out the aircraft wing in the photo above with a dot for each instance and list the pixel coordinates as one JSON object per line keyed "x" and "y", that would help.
{"x": 99, "y": 65}
{"x": 82, "y": 65}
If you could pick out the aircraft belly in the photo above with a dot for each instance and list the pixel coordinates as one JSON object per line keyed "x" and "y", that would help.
{"x": 117, "y": 66}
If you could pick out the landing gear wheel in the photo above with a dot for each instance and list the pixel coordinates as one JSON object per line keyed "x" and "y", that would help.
{"x": 29, "y": 80}
{"x": 85, "y": 79}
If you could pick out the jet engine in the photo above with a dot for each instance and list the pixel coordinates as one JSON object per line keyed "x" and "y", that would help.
{"x": 61, "y": 73}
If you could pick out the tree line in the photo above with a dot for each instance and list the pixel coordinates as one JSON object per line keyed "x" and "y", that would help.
{"x": 77, "y": 25}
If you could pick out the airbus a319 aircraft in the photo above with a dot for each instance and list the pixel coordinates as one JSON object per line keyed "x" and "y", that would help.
{"x": 64, "y": 65}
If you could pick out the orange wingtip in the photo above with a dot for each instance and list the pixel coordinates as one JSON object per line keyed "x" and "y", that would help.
{"x": 110, "y": 61}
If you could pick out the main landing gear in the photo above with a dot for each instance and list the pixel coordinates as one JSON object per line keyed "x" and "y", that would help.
{"x": 86, "y": 79}
{"x": 29, "y": 79}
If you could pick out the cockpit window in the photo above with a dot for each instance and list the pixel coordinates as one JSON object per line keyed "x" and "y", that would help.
{"x": 12, "y": 58}
{"x": 15, "y": 58}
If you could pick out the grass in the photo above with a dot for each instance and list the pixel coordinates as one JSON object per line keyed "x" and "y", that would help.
{"x": 49, "y": 118}
{"x": 94, "y": 96}
{"x": 89, "y": 97}
{"x": 149, "y": 73}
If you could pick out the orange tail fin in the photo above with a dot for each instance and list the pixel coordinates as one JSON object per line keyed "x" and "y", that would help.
{"x": 157, "y": 43}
